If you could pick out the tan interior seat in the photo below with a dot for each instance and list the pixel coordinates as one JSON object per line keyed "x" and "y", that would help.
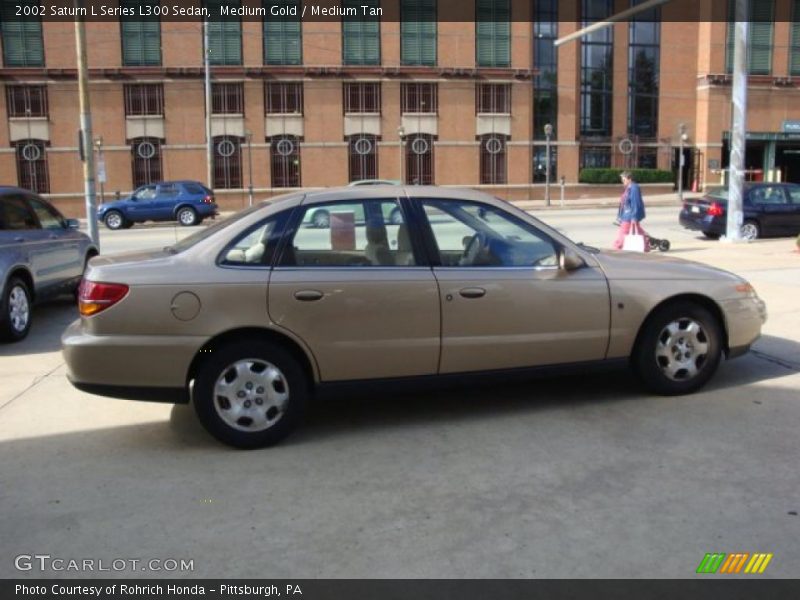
{"x": 377, "y": 249}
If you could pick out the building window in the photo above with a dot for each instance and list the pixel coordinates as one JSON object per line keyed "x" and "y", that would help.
{"x": 493, "y": 159}
{"x": 362, "y": 97}
{"x": 227, "y": 162}
{"x": 493, "y": 98}
{"x": 540, "y": 164}
{"x": 418, "y": 32}
{"x": 26, "y": 100}
{"x": 224, "y": 35}
{"x": 141, "y": 39}
{"x": 545, "y": 60}
{"x": 22, "y": 38}
{"x": 419, "y": 159}
{"x": 146, "y": 161}
{"x": 227, "y": 98}
{"x": 493, "y": 33}
{"x": 283, "y": 98}
{"x": 32, "y": 172}
{"x": 644, "y": 53}
{"x": 759, "y": 36}
{"x": 794, "y": 50}
{"x": 144, "y": 99}
{"x": 284, "y": 154}
{"x": 597, "y": 80}
{"x": 361, "y": 37}
{"x": 283, "y": 36}
{"x": 647, "y": 158}
{"x": 595, "y": 157}
{"x": 363, "y": 157}
{"x": 419, "y": 98}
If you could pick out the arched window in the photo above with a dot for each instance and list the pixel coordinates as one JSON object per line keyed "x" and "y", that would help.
{"x": 363, "y": 157}
{"x": 419, "y": 159}
{"x": 493, "y": 158}
{"x": 227, "y": 162}
{"x": 284, "y": 154}
{"x": 32, "y": 172}
{"x": 146, "y": 161}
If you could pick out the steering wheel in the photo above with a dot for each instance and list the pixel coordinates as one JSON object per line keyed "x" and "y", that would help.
{"x": 473, "y": 249}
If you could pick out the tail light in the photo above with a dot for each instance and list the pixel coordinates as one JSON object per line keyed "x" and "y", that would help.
{"x": 208, "y": 200}
{"x": 95, "y": 297}
{"x": 715, "y": 210}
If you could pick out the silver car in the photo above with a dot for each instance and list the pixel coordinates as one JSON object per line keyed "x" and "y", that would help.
{"x": 41, "y": 255}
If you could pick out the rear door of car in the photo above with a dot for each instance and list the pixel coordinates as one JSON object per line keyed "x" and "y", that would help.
{"x": 358, "y": 293}
{"x": 167, "y": 195}
{"x": 793, "y": 194}
{"x": 510, "y": 305}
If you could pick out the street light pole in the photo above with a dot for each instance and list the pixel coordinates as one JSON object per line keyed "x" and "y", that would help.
{"x": 101, "y": 168}
{"x": 681, "y": 138}
{"x": 209, "y": 141}
{"x": 86, "y": 132}
{"x": 401, "y": 133}
{"x": 548, "y": 132}
{"x": 733, "y": 232}
{"x": 249, "y": 136}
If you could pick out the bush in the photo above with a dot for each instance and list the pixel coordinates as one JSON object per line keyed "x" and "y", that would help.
{"x": 612, "y": 175}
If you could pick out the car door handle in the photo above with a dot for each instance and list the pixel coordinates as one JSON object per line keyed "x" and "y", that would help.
{"x": 473, "y": 292}
{"x": 308, "y": 295}
{"x": 19, "y": 239}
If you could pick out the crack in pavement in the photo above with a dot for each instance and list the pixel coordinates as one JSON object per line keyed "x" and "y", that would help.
{"x": 35, "y": 382}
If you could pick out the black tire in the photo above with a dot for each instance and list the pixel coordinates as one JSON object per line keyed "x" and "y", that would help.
{"x": 711, "y": 235}
{"x": 11, "y": 327}
{"x": 187, "y": 216}
{"x": 127, "y": 224}
{"x": 396, "y": 216}
{"x": 211, "y": 406}
{"x": 656, "y": 351}
{"x": 751, "y": 230}
{"x": 114, "y": 220}
{"x": 321, "y": 219}
{"x": 664, "y": 245}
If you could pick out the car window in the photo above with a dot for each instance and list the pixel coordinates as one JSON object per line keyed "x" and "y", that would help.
{"x": 16, "y": 214}
{"x": 255, "y": 246}
{"x": 358, "y": 234}
{"x": 146, "y": 193}
{"x": 768, "y": 194}
{"x": 469, "y": 234}
{"x": 168, "y": 190}
{"x": 48, "y": 217}
{"x": 793, "y": 191}
{"x": 193, "y": 188}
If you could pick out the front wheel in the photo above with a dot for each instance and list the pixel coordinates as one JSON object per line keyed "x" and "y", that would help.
{"x": 250, "y": 394}
{"x": 679, "y": 349}
{"x": 114, "y": 220}
{"x": 187, "y": 216}
{"x": 15, "y": 322}
{"x": 751, "y": 230}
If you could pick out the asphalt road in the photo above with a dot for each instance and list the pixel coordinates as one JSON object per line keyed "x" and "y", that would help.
{"x": 571, "y": 477}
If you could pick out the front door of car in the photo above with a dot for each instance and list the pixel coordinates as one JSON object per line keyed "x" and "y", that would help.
{"x": 59, "y": 257}
{"x": 19, "y": 231}
{"x": 142, "y": 206}
{"x": 772, "y": 208}
{"x": 355, "y": 294}
{"x": 793, "y": 193}
{"x": 505, "y": 302}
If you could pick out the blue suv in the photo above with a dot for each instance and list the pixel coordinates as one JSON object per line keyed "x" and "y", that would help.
{"x": 188, "y": 202}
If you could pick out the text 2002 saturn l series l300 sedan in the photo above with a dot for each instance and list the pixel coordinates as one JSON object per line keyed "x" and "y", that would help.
{"x": 253, "y": 315}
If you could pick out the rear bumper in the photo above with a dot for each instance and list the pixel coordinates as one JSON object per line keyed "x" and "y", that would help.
{"x": 127, "y": 392}
{"x": 710, "y": 224}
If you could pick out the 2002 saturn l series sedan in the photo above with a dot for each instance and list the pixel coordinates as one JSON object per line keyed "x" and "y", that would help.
{"x": 254, "y": 314}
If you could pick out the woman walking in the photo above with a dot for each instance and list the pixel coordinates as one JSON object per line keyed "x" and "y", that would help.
{"x": 631, "y": 212}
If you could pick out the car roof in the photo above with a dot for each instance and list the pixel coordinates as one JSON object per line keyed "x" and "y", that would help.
{"x": 412, "y": 192}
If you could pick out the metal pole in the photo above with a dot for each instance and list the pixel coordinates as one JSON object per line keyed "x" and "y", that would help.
{"x": 547, "y": 167}
{"x": 563, "y": 181}
{"x": 621, "y": 16}
{"x": 209, "y": 141}
{"x": 739, "y": 125}
{"x": 681, "y": 130}
{"x": 87, "y": 140}
{"x": 250, "y": 168}
{"x": 401, "y": 134}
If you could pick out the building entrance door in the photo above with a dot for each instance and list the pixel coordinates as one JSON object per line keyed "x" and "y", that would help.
{"x": 787, "y": 161}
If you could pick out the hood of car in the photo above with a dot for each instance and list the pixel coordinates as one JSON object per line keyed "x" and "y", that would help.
{"x": 114, "y": 204}
{"x": 619, "y": 265}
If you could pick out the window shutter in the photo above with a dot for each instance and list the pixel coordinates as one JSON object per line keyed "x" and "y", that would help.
{"x": 493, "y": 33}
{"x": 361, "y": 44}
{"x": 22, "y": 43}
{"x": 283, "y": 43}
{"x": 794, "y": 50}
{"x": 759, "y": 60}
{"x": 418, "y": 32}
{"x": 224, "y": 36}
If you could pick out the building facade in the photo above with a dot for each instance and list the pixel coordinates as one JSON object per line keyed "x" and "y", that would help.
{"x": 319, "y": 103}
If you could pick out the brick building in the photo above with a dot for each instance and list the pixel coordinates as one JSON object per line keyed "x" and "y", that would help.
{"x": 322, "y": 102}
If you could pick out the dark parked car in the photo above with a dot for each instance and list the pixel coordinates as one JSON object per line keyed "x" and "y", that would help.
{"x": 41, "y": 255}
{"x": 188, "y": 202}
{"x": 770, "y": 209}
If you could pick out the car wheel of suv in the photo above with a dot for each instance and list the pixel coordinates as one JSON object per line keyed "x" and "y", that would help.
{"x": 321, "y": 219}
{"x": 114, "y": 220}
{"x": 751, "y": 230}
{"x": 250, "y": 394}
{"x": 187, "y": 216}
{"x": 711, "y": 235}
{"x": 678, "y": 350}
{"x": 15, "y": 322}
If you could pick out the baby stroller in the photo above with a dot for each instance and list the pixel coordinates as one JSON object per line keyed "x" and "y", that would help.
{"x": 661, "y": 244}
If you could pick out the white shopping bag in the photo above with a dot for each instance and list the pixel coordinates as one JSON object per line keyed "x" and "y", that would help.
{"x": 634, "y": 241}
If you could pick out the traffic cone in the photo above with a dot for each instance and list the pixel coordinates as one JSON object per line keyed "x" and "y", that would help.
{"x": 694, "y": 186}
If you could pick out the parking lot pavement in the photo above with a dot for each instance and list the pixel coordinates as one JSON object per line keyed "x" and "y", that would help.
{"x": 568, "y": 477}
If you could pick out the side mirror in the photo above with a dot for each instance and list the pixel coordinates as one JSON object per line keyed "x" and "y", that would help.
{"x": 569, "y": 260}
{"x": 73, "y": 224}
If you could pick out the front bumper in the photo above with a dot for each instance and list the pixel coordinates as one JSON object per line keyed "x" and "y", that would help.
{"x": 744, "y": 318}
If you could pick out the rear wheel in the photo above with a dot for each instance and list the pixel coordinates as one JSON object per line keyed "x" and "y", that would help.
{"x": 187, "y": 216}
{"x": 15, "y": 322}
{"x": 679, "y": 349}
{"x": 250, "y": 394}
{"x": 751, "y": 230}
{"x": 114, "y": 220}
{"x": 711, "y": 235}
